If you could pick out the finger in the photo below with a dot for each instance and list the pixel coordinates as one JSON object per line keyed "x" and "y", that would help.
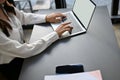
{"x": 66, "y": 23}
{"x": 67, "y": 28}
{"x": 70, "y": 30}
{"x": 58, "y": 19}
{"x": 60, "y": 15}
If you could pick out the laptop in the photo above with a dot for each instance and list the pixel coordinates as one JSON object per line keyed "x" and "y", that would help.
{"x": 80, "y": 16}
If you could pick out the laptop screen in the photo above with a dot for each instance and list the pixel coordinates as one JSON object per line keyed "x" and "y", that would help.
{"x": 84, "y": 9}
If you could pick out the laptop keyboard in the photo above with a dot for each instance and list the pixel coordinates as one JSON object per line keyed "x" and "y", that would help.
{"x": 70, "y": 19}
{"x": 74, "y": 24}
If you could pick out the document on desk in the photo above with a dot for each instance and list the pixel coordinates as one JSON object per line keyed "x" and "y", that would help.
{"x": 92, "y": 75}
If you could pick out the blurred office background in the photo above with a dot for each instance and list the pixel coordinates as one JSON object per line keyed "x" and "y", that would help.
{"x": 70, "y": 2}
{"x": 50, "y": 4}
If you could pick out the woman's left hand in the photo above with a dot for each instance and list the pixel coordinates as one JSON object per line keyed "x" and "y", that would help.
{"x": 55, "y": 17}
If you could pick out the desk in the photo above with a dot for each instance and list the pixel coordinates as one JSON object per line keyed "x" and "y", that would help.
{"x": 96, "y": 49}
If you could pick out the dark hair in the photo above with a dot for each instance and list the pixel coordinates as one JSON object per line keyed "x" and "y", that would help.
{"x": 5, "y": 26}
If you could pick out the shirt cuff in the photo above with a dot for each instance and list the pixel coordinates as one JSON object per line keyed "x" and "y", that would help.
{"x": 50, "y": 38}
{"x": 44, "y": 18}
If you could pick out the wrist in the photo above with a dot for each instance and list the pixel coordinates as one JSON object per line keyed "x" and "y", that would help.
{"x": 58, "y": 33}
{"x": 46, "y": 18}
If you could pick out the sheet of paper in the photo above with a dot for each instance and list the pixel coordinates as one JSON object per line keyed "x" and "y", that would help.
{"x": 93, "y": 75}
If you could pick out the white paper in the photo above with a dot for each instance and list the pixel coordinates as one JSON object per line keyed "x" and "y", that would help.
{"x": 94, "y": 75}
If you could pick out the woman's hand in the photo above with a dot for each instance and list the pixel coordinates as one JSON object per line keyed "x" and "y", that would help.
{"x": 55, "y": 17}
{"x": 64, "y": 27}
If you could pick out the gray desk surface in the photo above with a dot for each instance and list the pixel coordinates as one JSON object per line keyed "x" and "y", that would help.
{"x": 96, "y": 49}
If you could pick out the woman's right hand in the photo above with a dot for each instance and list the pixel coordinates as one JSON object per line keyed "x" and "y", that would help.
{"x": 64, "y": 27}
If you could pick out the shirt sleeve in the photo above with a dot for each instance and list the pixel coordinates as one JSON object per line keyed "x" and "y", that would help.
{"x": 15, "y": 49}
{"x": 29, "y": 18}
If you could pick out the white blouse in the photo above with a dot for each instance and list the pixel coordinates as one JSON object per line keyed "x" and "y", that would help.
{"x": 13, "y": 46}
